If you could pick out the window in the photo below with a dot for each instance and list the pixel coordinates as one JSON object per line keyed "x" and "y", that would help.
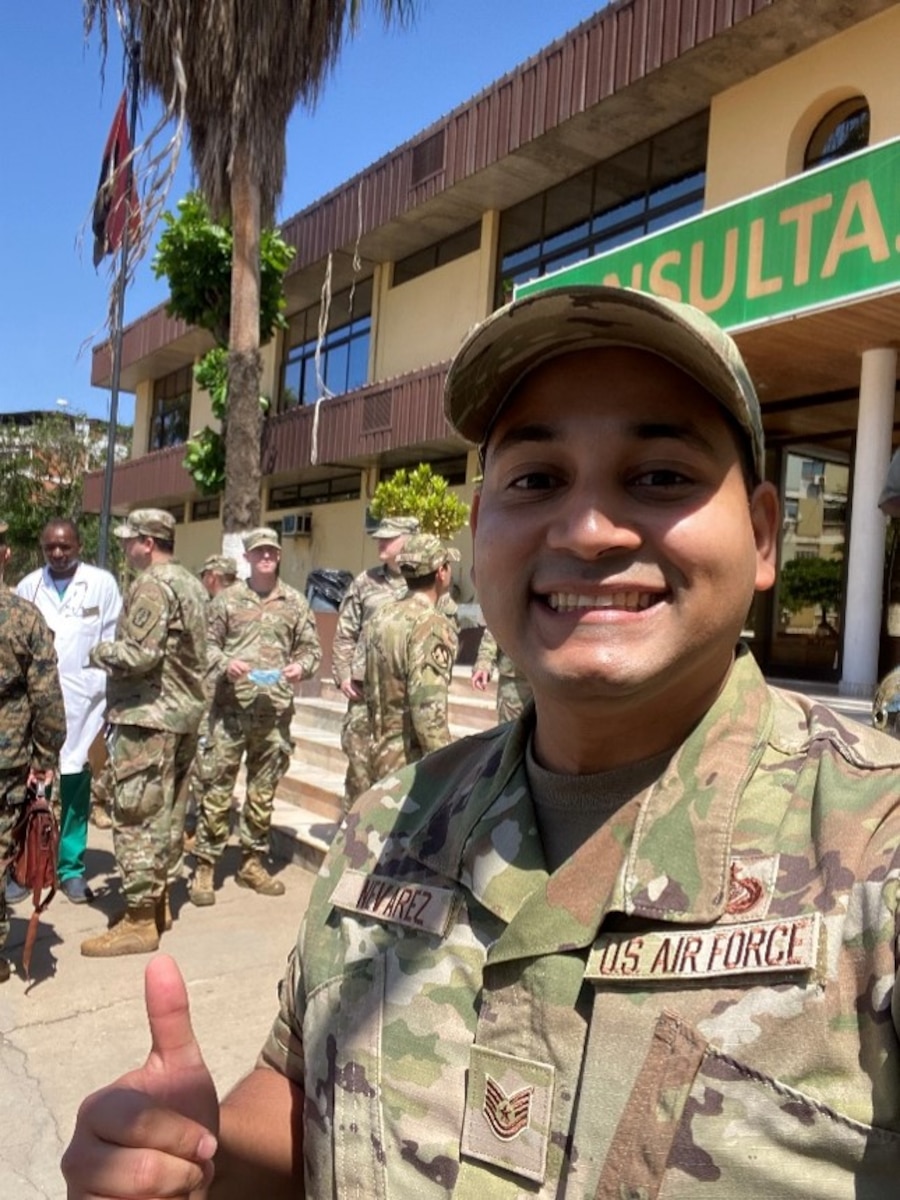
{"x": 170, "y": 414}
{"x": 438, "y": 254}
{"x": 206, "y": 509}
{"x": 344, "y": 351}
{"x": 315, "y": 491}
{"x": 842, "y": 130}
{"x": 643, "y": 189}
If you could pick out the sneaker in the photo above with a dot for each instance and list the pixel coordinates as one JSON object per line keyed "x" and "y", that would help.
{"x": 15, "y": 894}
{"x": 76, "y": 890}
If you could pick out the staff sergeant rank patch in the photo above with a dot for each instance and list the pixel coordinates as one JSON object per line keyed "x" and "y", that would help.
{"x": 788, "y": 946}
{"x": 415, "y": 905}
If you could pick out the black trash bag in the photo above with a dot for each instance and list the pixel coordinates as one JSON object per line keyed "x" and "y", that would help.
{"x": 325, "y": 588}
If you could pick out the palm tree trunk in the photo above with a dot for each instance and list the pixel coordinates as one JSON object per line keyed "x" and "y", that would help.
{"x": 243, "y": 426}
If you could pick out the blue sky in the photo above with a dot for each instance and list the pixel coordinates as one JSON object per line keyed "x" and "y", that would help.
{"x": 387, "y": 87}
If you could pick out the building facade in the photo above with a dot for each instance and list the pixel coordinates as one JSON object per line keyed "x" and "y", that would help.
{"x": 739, "y": 154}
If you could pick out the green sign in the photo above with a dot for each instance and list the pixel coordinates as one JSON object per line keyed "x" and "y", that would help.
{"x": 820, "y": 239}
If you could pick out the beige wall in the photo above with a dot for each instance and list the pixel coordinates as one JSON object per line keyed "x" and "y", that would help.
{"x": 759, "y": 129}
{"x": 423, "y": 321}
{"x": 195, "y": 541}
{"x": 140, "y": 434}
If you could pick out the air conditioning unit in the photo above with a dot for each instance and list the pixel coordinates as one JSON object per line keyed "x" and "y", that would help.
{"x": 296, "y": 525}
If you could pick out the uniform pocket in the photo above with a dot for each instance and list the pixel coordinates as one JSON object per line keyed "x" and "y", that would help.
{"x": 700, "y": 1122}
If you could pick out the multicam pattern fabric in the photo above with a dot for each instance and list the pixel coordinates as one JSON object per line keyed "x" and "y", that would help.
{"x": 149, "y": 770}
{"x": 410, "y": 652}
{"x": 33, "y": 725}
{"x": 513, "y": 689}
{"x": 698, "y": 1002}
{"x": 365, "y": 595}
{"x": 269, "y": 632}
{"x": 267, "y": 745}
{"x": 157, "y": 662}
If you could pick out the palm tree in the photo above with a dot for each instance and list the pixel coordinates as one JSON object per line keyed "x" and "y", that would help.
{"x": 243, "y": 68}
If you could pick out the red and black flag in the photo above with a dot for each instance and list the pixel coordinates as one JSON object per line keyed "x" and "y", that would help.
{"x": 116, "y": 201}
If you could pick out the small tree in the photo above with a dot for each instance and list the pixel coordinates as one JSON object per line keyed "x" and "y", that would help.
{"x": 44, "y": 465}
{"x": 811, "y": 583}
{"x": 423, "y": 494}
{"x": 194, "y": 256}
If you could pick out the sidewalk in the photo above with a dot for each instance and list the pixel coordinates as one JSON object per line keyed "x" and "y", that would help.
{"x": 81, "y": 1022}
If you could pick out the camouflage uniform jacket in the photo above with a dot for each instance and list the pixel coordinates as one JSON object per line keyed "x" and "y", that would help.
{"x": 157, "y": 663}
{"x": 410, "y": 650}
{"x": 270, "y": 632}
{"x": 32, "y": 713}
{"x": 492, "y": 659}
{"x": 365, "y": 595}
{"x": 699, "y": 1002}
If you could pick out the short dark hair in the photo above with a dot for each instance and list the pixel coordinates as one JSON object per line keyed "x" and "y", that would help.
{"x": 166, "y": 545}
{"x": 66, "y": 523}
{"x": 420, "y": 583}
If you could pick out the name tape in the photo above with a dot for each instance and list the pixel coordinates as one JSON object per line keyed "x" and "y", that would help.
{"x": 415, "y": 905}
{"x": 787, "y": 946}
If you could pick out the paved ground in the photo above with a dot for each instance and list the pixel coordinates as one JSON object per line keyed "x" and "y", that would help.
{"x": 80, "y": 1022}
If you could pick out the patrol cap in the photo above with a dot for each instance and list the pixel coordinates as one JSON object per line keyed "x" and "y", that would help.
{"x": 222, "y": 564}
{"x": 264, "y": 536}
{"x": 390, "y": 527}
{"x": 147, "y": 522}
{"x": 497, "y": 354}
{"x": 423, "y": 554}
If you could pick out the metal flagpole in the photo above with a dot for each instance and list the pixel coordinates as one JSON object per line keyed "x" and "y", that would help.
{"x": 134, "y": 68}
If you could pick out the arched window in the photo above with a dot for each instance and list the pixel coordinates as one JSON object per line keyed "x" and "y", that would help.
{"x": 842, "y": 130}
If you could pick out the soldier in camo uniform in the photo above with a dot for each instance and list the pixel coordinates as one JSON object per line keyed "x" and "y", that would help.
{"x": 365, "y": 595}
{"x": 155, "y": 699}
{"x": 32, "y": 714}
{"x": 410, "y": 649}
{"x": 641, "y": 942}
{"x": 262, "y": 641}
{"x": 513, "y": 689}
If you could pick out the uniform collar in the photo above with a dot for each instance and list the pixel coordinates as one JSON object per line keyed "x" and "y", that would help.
{"x": 665, "y": 857}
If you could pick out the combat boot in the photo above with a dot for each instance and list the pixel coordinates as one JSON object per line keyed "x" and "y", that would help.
{"x": 254, "y": 875}
{"x": 100, "y": 818}
{"x": 202, "y": 886}
{"x": 136, "y": 933}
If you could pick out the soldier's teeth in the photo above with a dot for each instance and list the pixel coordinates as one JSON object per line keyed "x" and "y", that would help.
{"x": 631, "y": 601}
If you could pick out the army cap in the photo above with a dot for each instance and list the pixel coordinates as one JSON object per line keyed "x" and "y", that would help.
{"x": 497, "y": 354}
{"x": 147, "y": 522}
{"x": 391, "y": 527}
{"x": 264, "y": 536}
{"x": 423, "y": 554}
{"x": 222, "y": 564}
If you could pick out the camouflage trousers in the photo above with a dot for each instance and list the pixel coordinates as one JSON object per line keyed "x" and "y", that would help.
{"x": 148, "y": 770}
{"x": 265, "y": 739}
{"x": 12, "y": 794}
{"x": 513, "y": 693}
{"x": 356, "y": 743}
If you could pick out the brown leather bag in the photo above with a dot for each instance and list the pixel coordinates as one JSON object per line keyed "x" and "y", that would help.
{"x": 33, "y": 855}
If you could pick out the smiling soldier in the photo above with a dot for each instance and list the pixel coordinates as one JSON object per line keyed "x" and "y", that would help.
{"x": 640, "y": 942}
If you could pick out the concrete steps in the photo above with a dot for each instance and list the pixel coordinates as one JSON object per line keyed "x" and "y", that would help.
{"x": 308, "y": 802}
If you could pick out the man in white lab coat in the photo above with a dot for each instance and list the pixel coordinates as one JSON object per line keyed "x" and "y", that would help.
{"x": 81, "y": 605}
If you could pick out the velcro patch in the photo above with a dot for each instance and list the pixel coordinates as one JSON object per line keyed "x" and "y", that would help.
{"x": 508, "y": 1105}
{"x": 786, "y": 946}
{"x": 416, "y": 905}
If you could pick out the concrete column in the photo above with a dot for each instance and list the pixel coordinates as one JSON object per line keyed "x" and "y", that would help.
{"x": 865, "y": 566}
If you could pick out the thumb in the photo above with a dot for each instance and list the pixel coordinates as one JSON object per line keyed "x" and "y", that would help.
{"x": 174, "y": 1047}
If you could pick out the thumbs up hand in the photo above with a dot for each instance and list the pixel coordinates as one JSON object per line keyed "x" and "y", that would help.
{"x": 152, "y": 1133}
